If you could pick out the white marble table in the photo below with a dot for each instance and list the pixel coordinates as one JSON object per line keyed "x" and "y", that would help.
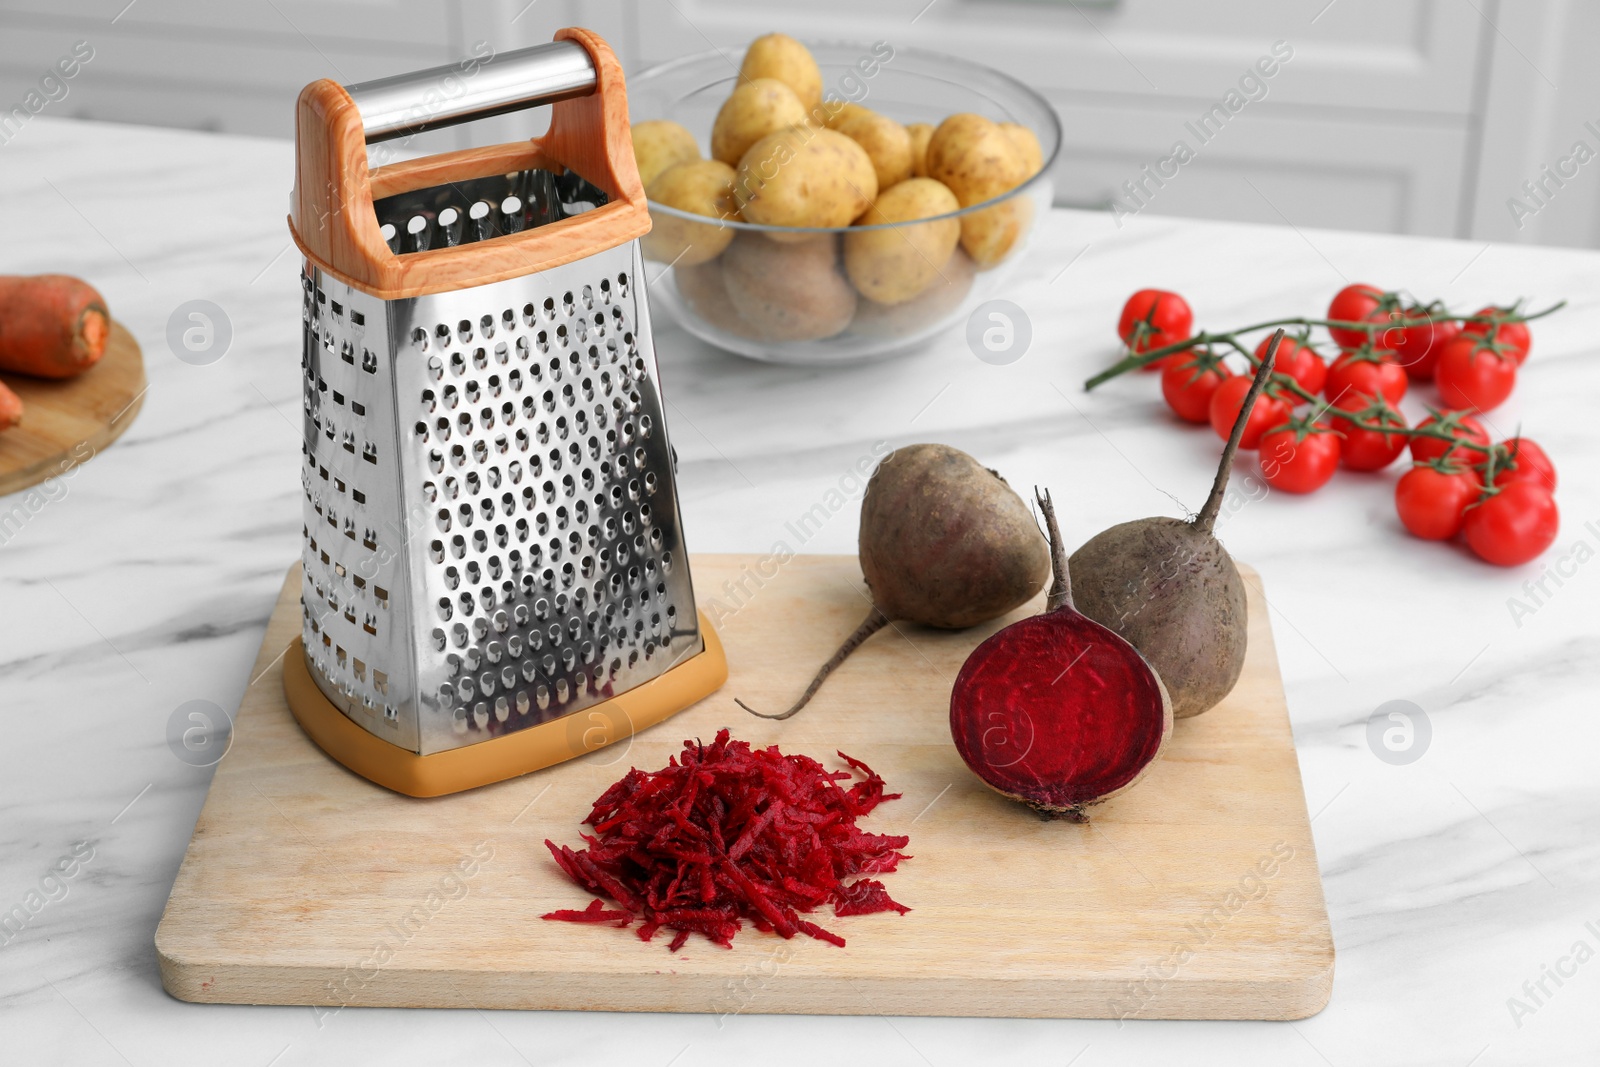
{"x": 146, "y": 583}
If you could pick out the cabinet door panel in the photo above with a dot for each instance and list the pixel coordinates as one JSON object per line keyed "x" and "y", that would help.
{"x": 360, "y": 22}
{"x": 1265, "y": 168}
{"x": 1394, "y": 55}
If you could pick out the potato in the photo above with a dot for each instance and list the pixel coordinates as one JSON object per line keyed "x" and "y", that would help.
{"x": 1027, "y": 146}
{"x": 979, "y": 161}
{"x": 703, "y": 186}
{"x": 791, "y": 291}
{"x": 887, "y": 143}
{"x": 975, "y": 158}
{"x": 754, "y": 110}
{"x": 835, "y": 112}
{"x": 703, "y": 290}
{"x": 919, "y": 132}
{"x": 990, "y": 235}
{"x": 805, "y": 177}
{"x": 658, "y": 144}
{"x": 922, "y": 314}
{"x": 892, "y": 266}
{"x": 785, "y": 59}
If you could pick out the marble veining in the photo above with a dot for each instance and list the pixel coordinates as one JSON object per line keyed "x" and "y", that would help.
{"x": 1453, "y": 883}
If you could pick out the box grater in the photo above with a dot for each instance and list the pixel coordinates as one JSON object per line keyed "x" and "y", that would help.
{"x": 495, "y": 576}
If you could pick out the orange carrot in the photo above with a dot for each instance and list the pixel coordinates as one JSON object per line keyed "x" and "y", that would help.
{"x": 51, "y": 325}
{"x": 10, "y": 408}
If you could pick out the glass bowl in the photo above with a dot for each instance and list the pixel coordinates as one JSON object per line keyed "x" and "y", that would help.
{"x": 799, "y": 295}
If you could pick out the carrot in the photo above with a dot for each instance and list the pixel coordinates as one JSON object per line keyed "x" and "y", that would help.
{"x": 51, "y": 325}
{"x": 10, "y": 408}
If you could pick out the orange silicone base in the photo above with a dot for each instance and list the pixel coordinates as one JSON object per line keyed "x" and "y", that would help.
{"x": 507, "y": 756}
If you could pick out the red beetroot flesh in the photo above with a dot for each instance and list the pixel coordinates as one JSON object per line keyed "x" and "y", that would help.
{"x": 726, "y": 833}
{"x": 1057, "y": 711}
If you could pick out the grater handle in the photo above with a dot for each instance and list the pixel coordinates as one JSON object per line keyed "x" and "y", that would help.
{"x": 411, "y": 103}
{"x": 333, "y": 222}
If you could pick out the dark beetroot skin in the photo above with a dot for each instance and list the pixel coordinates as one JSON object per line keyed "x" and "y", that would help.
{"x": 1169, "y": 587}
{"x": 1057, "y": 711}
{"x": 944, "y": 542}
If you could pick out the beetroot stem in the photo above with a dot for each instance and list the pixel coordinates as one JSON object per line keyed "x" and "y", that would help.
{"x": 1208, "y": 514}
{"x": 874, "y": 622}
{"x": 1060, "y": 595}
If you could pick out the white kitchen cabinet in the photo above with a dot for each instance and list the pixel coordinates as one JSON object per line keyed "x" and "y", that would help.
{"x": 1407, "y": 116}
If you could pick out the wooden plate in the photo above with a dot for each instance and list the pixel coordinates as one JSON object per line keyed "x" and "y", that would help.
{"x": 65, "y": 423}
{"x": 1195, "y": 895}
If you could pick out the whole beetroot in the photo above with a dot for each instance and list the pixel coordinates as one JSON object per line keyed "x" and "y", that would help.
{"x": 1172, "y": 591}
{"x": 944, "y": 542}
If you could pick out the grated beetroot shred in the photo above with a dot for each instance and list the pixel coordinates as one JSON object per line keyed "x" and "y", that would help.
{"x": 726, "y": 833}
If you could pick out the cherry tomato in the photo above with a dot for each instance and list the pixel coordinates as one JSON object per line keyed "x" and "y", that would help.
{"x": 1474, "y": 378}
{"x": 1269, "y": 412}
{"x": 1514, "y": 525}
{"x": 1368, "y": 449}
{"x": 1353, "y": 303}
{"x": 1366, "y": 371}
{"x": 1416, "y": 346}
{"x": 1515, "y": 335}
{"x": 1432, "y": 503}
{"x": 1299, "y": 460}
{"x": 1158, "y": 318}
{"x": 1465, "y": 427}
{"x": 1299, "y": 361}
{"x": 1188, "y": 381}
{"x": 1525, "y": 461}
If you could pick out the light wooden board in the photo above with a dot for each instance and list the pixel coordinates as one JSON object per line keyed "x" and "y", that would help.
{"x": 65, "y": 423}
{"x": 304, "y": 884}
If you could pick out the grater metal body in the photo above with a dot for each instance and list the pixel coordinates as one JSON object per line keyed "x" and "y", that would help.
{"x": 492, "y": 533}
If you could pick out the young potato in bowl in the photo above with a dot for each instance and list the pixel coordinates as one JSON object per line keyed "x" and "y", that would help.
{"x": 979, "y": 161}
{"x": 755, "y": 109}
{"x": 891, "y": 266}
{"x": 885, "y": 141}
{"x": 923, "y": 312}
{"x": 658, "y": 144}
{"x": 920, "y": 133}
{"x": 703, "y": 288}
{"x": 788, "y": 291}
{"x": 804, "y": 176}
{"x": 1027, "y": 145}
{"x": 785, "y": 59}
{"x": 703, "y": 186}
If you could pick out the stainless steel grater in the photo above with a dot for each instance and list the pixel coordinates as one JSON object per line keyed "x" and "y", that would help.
{"x": 492, "y": 535}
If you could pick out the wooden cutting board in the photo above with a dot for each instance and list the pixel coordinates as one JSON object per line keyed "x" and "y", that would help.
{"x": 66, "y": 423}
{"x": 1195, "y": 895}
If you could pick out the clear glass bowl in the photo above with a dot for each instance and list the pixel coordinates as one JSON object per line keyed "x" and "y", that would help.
{"x": 792, "y": 298}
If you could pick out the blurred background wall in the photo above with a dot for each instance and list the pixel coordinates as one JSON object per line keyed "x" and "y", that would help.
{"x": 1465, "y": 118}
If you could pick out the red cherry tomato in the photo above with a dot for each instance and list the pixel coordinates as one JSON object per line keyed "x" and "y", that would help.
{"x": 1353, "y": 303}
{"x": 1372, "y": 373}
{"x": 1299, "y": 462}
{"x": 1514, "y": 525}
{"x": 1269, "y": 412}
{"x": 1515, "y": 335}
{"x": 1369, "y": 449}
{"x": 1525, "y": 461}
{"x": 1432, "y": 503}
{"x": 1466, "y": 429}
{"x": 1474, "y": 378}
{"x": 1416, "y": 346}
{"x": 1299, "y": 361}
{"x": 1155, "y": 318}
{"x": 1188, "y": 381}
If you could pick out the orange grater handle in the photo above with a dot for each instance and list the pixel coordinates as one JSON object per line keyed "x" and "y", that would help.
{"x": 335, "y": 226}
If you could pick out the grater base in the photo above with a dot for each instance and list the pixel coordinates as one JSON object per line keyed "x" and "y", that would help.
{"x": 510, "y": 755}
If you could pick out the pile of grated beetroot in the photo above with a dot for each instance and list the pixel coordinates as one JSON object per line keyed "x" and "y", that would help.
{"x": 725, "y": 833}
